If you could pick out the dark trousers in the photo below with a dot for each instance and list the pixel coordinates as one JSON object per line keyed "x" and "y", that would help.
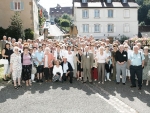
{"x": 48, "y": 73}
{"x": 136, "y": 70}
{"x": 64, "y": 77}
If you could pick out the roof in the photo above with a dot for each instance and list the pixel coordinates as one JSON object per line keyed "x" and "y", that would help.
{"x": 106, "y": 5}
{"x": 60, "y": 10}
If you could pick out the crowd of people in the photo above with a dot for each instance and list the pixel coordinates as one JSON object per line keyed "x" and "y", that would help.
{"x": 82, "y": 58}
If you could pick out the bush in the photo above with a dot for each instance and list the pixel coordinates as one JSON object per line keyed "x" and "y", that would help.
{"x": 64, "y": 23}
{"x": 29, "y": 34}
{"x": 2, "y": 33}
{"x": 123, "y": 38}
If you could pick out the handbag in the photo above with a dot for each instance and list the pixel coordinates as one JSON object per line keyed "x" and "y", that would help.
{"x": 3, "y": 61}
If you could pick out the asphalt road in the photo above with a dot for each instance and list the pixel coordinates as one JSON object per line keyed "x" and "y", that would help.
{"x": 74, "y": 98}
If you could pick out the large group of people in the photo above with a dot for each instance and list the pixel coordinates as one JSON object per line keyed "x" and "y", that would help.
{"x": 82, "y": 58}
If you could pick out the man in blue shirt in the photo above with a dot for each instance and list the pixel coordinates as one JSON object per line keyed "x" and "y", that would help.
{"x": 39, "y": 57}
{"x": 136, "y": 60}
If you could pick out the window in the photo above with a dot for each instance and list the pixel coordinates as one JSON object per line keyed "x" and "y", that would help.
{"x": 126, "y": 28}
{"x": 84, "y": 1}
{"x": 110, "y": 28}
{"x": 85, "y": 13}
{"x": 96, "y": 13}
{"x": 17, "y": 5}
{"x": 127, "y": 13}
{"x": 110, "y": 13}
{"x": 96, "y": 28}
{"x": 124, "y": 1}
{"x": 108, "y": 1}
{"x": 85, "y": 28}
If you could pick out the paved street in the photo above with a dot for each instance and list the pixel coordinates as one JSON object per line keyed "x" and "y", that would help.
{"x": 55, "y": 31}
{"x": 74, "y": 98}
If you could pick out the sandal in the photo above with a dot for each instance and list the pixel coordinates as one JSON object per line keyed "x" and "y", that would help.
{"x": 16, "y": 87}
{"x": 19, "y": 85}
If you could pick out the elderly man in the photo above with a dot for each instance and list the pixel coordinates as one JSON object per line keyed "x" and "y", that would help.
{"x": 87, "y": 64}
{"x": 67, "y": 70}
{"x": 121, "y": 63}
{"x": 2, "y": 44}
{"x": 136, "y": 61}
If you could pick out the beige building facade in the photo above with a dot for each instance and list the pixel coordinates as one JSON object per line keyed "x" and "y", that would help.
{"x": 28, "y": 10}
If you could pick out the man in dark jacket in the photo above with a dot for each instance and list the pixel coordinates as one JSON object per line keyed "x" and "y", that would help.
{"x": 67, "y": 70}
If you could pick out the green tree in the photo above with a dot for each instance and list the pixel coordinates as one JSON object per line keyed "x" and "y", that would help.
{"x": 16, "y": 27}
{"x": 64, "y": 23}
{"x": 143, "y": 12}
{"x": 29, "y": 34}
{"x": 41, "y": 19}
{"x": 66, "y": 16}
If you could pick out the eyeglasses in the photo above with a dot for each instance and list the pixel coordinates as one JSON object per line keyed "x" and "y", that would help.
{"x": 114, "y": 46}
{"x": 126, "y": 47}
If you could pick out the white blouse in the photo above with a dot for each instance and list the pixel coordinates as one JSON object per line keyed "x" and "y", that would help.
{"x": 57, "y": 69}
{"x": 101, "y": 58}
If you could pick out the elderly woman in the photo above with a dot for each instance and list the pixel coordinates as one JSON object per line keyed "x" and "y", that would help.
{"x": 101, "y": 59}
{"x": 16, "y": 67}
{"x": 57, "y": 71}
{"x": 26, "y": 66}
{"x": 48, "y": 64}
{"x": 108, "y": 65}
{"x": 6, "y": 53}
{"x": 146, "y": 74}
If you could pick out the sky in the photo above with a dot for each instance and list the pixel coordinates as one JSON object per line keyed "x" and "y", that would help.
{"x": 53, "y": 3}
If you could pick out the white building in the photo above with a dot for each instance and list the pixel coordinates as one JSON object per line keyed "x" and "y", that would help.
{"x": 106, "y": 18}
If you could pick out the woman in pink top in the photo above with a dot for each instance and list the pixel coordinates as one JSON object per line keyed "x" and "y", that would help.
{"x": 48, "y": 64}
{"x": 26, "y": 66}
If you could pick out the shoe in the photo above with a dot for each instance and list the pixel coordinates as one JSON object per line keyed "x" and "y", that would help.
{"x": 16, "y": 87}
{"x": 117, "y": 82}
{"x": 102, "y": 82}
{"x": 95, "y": 80}
{"x": 20, "y": 86}
{"x": 124, "y": 83}
{"x": 33, "y": 81}
{"x": 139, "y": 88}
{"x": 132, "y": 86}
{"x": 37, "y": 81}
{"x": 99, "y": 82}
{"x": 5, "y": 79}
{"x": 109, "y": 79}
{"x": 83, "y": 82}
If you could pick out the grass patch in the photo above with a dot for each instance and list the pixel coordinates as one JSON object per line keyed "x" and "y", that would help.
{"x": 1, "y": 72}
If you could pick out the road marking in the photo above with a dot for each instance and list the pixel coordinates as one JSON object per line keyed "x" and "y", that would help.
{"x": 115, "y": 102}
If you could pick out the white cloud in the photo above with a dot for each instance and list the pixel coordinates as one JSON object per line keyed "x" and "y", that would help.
{"x": 52, "y": 3}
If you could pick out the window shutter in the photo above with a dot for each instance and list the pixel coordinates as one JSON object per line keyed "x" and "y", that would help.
{"x": 106, "y": 13}
{"x": 106, "y": 29}
{"x": 93, "y": 29}
{"x": 81, "y": 29}
{"x": 114, "y": 29}
{"x": 114, "y": 13}
{"x": 22, "y": 6}
{"x": 101, "y": 28}
{"x": 12, "y": 5}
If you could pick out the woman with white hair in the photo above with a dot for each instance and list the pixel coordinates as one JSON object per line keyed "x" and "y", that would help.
{"x": 48, "y": 64}
{"x": 146, "y": 70}
{"x": 16, "y": 67}
{"x": 101, "y": 59}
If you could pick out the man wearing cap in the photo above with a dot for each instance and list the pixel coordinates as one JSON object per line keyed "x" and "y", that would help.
{"x": 67, "y": 70}
{"x": 87, "y": 64}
